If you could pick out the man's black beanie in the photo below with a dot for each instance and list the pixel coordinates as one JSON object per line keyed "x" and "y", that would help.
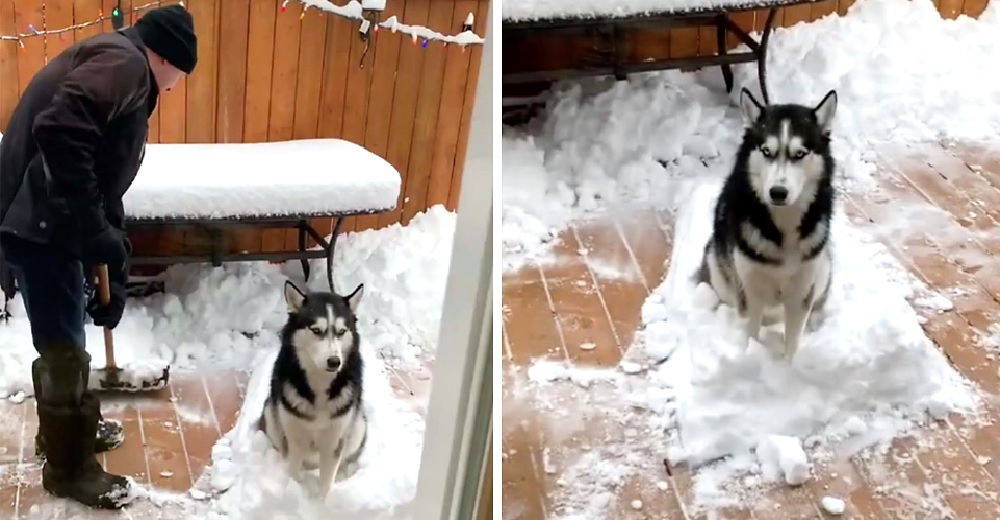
{"x": 169, "y": 32}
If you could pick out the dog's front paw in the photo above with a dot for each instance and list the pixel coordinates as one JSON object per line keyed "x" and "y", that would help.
{"x": 788, "y": 352}
{"x": 317, "y": 494}
{"x": 296, "y": 472}
{"x": 318, "y": 491}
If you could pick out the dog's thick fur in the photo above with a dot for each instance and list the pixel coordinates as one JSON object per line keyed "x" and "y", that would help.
{"x": 770, "y": 243}
{"x": 313, "y": 414}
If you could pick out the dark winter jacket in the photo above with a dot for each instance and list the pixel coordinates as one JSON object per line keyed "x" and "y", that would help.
{"x": 75, "y": 142}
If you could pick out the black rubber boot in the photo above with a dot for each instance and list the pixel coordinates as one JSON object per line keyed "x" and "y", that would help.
{"x": 68, "y": 420}
{"x": 110, "y": 435}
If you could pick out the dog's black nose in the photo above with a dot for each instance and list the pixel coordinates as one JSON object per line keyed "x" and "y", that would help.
{"x": 332, "y": 363}
{"x": 779, "y": 194}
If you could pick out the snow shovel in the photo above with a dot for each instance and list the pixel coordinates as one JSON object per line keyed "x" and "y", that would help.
{"x": 152, "y": 376}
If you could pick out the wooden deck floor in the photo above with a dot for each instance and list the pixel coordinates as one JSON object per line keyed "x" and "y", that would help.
{"x": 169, "y": 435}
{"x": 584, "y": 309}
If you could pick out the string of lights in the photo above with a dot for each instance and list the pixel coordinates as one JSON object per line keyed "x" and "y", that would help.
{"x": 117, "y": 19}
{"x": 355, "y": 10}
{"x": 367, "y": 13}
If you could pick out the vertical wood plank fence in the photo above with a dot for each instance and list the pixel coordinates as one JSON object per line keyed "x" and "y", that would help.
{"x": 268, "y": 75}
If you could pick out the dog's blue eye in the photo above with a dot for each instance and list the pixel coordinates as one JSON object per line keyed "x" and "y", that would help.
{"x": 340, "y": 332}
{"x": 798, "y": 155}
{"x": 317, "y": 331}
{"x": 766, "y": 151}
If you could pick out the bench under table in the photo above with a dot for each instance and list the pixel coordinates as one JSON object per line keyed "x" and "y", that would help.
{"x": 529, "y": 17}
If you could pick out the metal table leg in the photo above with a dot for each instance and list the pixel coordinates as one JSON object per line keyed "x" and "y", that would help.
{"x": 303, "y": 230}
{"x": 762, "y": 55}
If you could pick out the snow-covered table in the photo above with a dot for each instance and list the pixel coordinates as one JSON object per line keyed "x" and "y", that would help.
{"x": 283, "y": 184}
{"x": 214, "y": 187}
{"x": 523, "y": 18}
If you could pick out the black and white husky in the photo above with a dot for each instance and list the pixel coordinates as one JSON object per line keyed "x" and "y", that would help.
{"x": 313, "y": 414}
{"x": 770, "y": 238}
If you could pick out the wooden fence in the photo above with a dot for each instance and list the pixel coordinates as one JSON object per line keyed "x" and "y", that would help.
{"x": 265, "y": 74}
{"x": 541, "y": 52}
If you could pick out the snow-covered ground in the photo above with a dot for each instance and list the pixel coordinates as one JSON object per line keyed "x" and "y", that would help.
{"x": 665, "y": 140}
{"x": 203, "y": 320}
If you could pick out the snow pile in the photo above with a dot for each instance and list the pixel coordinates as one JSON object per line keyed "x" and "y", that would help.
{"x": 781, "y": 456}
{"x": 526, "y": 224}
{"x": 244, "y": 481}
{"x": 901, "y": 73}
{"x": 221, "y": 316}
{"x": 743, "y": 420}
{"x": 864, "y": 372}
{"x": 404, "y": 269}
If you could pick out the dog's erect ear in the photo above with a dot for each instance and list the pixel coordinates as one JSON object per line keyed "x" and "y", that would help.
{"x": 750, "y": 107}
{"x": 825, "y": 110}
{"x": 354, "y": 298}
{"x": 293, "y": 297}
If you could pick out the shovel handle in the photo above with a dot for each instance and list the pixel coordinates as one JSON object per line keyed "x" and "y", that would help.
{"x": 104, "y": 293}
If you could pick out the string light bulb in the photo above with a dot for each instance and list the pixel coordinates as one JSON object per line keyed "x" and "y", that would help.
{"x": 118, "y": 18}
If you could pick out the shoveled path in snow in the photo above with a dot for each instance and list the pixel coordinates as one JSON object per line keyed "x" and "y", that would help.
{"x": 938, "y": 210}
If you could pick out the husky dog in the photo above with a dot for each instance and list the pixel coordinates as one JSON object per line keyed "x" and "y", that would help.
{"x": 313, "y": 414}
{"x": 770, "y": 238}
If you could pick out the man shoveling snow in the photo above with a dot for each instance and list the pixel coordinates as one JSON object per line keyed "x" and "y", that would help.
{"x": 73, "y": 146}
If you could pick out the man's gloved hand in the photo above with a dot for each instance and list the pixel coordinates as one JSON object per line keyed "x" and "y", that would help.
{"x": 111, "y": 314}
{"x": 105, "y": 247}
